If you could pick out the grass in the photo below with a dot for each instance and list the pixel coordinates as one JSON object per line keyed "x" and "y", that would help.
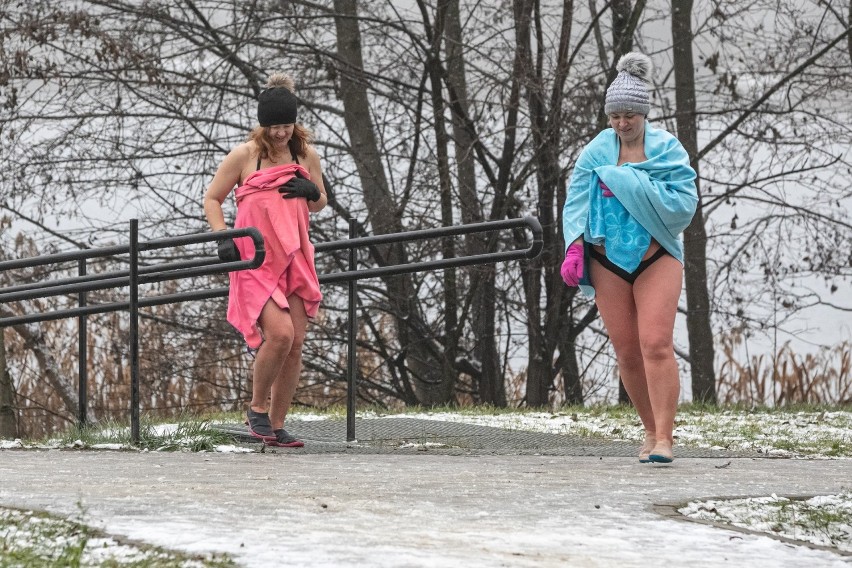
{"x": 805, "y": 431}
{"x": 188, "y": 433}
{"x": 824, "y": 520}
{"x": 801, "y": 430}
{"x": 33, "y": 539}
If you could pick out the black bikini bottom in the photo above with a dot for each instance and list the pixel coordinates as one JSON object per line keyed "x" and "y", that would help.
{"x": 629, "y": 277}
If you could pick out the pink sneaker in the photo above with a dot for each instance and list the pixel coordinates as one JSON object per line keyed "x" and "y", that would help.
{"x": 283, "y": 439}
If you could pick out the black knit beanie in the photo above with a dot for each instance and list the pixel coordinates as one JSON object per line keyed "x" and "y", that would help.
{"x": 277, "y": 105}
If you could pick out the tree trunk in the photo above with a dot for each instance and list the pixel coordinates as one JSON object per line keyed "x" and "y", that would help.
{"x": 423, "y": 356}
{"x": 540, "y": 364}
{"x": 624, "y": 22}
{"x": 491, "y": 386}
{"x": 698, "y": 322}
{"x": 451, "y": 301}
{"x": 8, "y": 416}
{"x": 550, "y": 329}
{"x": 571, "y": 383}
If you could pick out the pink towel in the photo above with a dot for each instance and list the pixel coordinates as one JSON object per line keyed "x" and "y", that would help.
{"x": 289, "y": 264}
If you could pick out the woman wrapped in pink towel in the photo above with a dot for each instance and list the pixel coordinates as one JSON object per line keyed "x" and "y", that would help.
{"x": 278, "y": 180}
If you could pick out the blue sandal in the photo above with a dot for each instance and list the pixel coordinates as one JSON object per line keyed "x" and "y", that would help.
{"x": 661, "y": 455}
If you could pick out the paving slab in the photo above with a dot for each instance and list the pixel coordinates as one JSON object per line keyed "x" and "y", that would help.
{"x": 430, "y": 507}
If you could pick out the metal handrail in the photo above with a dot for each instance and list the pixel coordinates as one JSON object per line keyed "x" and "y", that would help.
{"x": 351, "y": 276}
{"x": 121, "y": 279}
{"x": 100, "y": 276}
{"x": 130, "y": 278}
{"x": 532, "y": 251}
{"x": 137, "y": 275}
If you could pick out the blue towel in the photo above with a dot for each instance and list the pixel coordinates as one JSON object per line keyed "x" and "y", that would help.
{"x": 655, "y": 198}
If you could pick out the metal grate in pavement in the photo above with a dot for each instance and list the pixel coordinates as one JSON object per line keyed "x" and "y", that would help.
{"x": 411, "y": 435}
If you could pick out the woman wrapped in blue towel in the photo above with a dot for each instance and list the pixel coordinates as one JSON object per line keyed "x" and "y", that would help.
{"x": 632, "y": 193}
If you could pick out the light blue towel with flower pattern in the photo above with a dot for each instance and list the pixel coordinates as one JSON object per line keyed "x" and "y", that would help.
{"x": 653, "y": 199}
{"x": 615, "y": 228}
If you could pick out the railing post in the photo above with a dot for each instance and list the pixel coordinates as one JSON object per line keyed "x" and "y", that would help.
{"x": 134, "y": 330}
{"x": 82, "y": 355}
{"x": 351, "y": 385}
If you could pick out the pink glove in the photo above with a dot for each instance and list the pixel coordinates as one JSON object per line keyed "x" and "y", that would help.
{"x": 572, "y": 266}
{"x": 606, "y": 190}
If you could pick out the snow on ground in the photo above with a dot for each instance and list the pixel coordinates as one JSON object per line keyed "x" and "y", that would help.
{"x": 790, "y": 434}
{"x": 60, "y": 542}
{"x": 824, "y": 520}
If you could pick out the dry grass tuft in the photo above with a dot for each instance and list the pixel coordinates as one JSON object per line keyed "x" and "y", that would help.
{"x": 785, "y": 377}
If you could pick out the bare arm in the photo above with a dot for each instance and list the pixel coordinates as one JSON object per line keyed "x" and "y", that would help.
{"x": 312, "y": 163}
{"x": 227, "y": 176}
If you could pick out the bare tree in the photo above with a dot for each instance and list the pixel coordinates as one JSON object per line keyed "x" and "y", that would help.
{"x": 484, "y": 365}
{"x": 764, "y": 142}
{"x": 8, "y": 408}
{"x": 426, "y": 114}
{"x": 695, "y": 237}
{"x": 432, "y": 372}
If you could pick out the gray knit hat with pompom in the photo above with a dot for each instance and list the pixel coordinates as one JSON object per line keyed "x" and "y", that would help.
{"x": 629, "y": 90}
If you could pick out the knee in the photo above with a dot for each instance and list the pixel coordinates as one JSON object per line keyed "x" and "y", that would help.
{"x": 630, "y": 364}
{"x": 657, "y": 348}
{"x": 629, "y": 358}
{"x": 281, "y": 338}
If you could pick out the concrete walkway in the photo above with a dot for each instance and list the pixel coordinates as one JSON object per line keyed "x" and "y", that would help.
{"x": 420, "y": 508}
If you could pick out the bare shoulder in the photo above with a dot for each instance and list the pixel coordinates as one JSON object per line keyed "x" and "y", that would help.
{"x": 238, "y": 160}
{"x": 311, "y": 154}
{"x": 229, "y": 172}
{"x": 243, "y": 152}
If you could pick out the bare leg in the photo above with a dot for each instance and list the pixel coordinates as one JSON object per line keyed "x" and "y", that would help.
{"x": 614, "y": 298}
{"x": 656, "y": 293}
{"x": 278, "y": 336}
{"x": 284, "y": 387}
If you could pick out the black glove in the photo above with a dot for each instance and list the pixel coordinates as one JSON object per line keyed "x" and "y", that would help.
{"x": 227, "y": 250}
{"x": 300, "y": 186}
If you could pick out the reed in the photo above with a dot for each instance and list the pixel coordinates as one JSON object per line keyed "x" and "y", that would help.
{"x": 783, "y": 377}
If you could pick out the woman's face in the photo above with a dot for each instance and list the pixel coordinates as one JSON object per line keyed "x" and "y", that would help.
{"x": 281, "y": 133}
{"x": 629, "y": 126}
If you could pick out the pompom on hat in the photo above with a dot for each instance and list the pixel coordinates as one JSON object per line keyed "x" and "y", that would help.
{"x": 629, "y": 90}
{"x": 277, "y": 105}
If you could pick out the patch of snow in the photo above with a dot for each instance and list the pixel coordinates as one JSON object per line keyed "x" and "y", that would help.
{"x": 164, "y": 429}
{"x": 109, "y": 447}
{"x": 824, "y": 520}
{"x": 232, "y": 449}
{"x": 424, "y": 446}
